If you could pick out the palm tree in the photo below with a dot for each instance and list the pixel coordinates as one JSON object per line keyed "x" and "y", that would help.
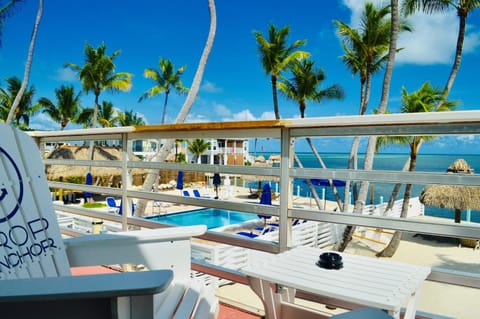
{"x": 98, "y": 74}
{"x": 276, "y": 56}
{"x": 165, "y": 80}
{"x": 28, "y": 64}
{"x": 6, "y": 11}
{"x": 25, "y": 109}
{"x": 198, "y": 147}
{"x": 423, "y": 100}
{"x": 66, "y": 108}
{"x": 463, "y": 8}
{"x": 107, "y": 115}
{"x": 128, "y": 118}
{"x": 84, "y": 117}
{"x": 304, "y": 85}
{"x": 395, "y": 27}
{"x": 168, "y": 145}
{"x": 365, "y": 54}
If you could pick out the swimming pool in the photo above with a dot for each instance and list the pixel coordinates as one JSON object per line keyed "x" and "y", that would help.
{"x": 212, "y": 217}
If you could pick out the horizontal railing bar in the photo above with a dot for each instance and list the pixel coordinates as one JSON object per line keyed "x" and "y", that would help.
{"x": 96, "y": 163}
{"x": 401, "y": 224}
{"x": 381, "y": 130}
{"x": 404, "y": 177}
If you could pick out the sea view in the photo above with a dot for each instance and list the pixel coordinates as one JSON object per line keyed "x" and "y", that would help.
{"x": 425, "y": 163}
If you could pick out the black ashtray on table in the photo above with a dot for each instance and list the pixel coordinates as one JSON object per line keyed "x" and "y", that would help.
{"x": 330, "y": 260}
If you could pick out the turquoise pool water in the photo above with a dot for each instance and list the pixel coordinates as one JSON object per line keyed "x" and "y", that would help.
{"x": 212, "y": 217}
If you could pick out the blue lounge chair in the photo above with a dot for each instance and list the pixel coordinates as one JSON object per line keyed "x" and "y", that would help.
{"x": 112, "y": 205}
{"x": 255, "y": 235}
{"x": 186, "y": 194}
{"x": 196, "y": 193}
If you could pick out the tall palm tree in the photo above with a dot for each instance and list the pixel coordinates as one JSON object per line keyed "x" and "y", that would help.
{"x": 366, "y": 51}
{"x": 463, "y": 8}
{"x": 165, "y": 80}
{"x": 395, "y": 27}
{"x": 28, "y": 64}
{"x": 98, "y": 74}
{"x": 304, "y": 85}
{"x": 66, "y": 108}
{"x": 107, "y": 115}
{"x": 423, "y": 100}
{"x": 168, "y": 145}
{"x": 129, "y": 118}
{"x": 276, "y": 55}
{"x": 198, "y": 147}
{"x": 25, "y": 109}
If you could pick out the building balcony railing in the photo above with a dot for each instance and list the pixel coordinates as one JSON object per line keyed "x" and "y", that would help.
{"x": 288, "y": 136}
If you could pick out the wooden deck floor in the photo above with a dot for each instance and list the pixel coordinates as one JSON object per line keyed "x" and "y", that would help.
{"x": 225, "y": 312}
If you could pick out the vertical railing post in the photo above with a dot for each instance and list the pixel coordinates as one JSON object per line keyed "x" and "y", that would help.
{"x": 286, "y": 190}
{"x": 126, "y": 208}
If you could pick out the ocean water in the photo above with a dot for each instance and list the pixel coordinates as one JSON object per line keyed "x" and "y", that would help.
{"x": 425, "y": 163}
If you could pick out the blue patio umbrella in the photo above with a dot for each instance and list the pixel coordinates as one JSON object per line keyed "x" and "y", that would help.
{"x": 88, "y": 181}
{"x": 266, "y": 199}
{"x": 180, "y": 180}
{"x": 216, "y": 182}
{"x": 325, "y": 182}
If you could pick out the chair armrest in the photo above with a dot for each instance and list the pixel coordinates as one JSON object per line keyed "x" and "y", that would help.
{"x": 90, "y": 286}
{"x": 163, "y": 248}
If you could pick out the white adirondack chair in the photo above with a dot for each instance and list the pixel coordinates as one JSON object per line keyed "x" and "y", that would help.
{"x": 35, "y": 261}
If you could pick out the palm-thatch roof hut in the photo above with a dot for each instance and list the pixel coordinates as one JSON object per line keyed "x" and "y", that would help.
{"x": 453, "y": 196}
{"x": 103, "y": 175}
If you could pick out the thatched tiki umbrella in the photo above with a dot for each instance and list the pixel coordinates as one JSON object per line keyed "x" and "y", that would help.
{"x": 452, "y": 196}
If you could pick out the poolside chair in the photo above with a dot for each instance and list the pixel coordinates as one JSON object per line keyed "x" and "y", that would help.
{"x": 112, "y": 205}
{"x": 186, "y": 193}
{"x": 264, "y": 231}
{"x": 35, "y": 261}
{"x": 196, "y": 193}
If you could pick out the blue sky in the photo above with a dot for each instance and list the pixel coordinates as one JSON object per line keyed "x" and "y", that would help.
{"x": 234, "y": 85}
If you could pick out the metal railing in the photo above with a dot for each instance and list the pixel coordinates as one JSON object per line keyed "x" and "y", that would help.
{"x": 285, "y": 132}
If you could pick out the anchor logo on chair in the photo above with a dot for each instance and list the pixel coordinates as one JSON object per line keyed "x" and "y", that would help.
{"x": 11, "y": 199}
{"x": 3, "y": 193}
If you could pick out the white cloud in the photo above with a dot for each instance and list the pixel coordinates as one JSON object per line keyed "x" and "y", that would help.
{"x": 244, "y": 115}
{"x": 221, "y": 110}
{"x": 65, "y": 75}
{"x": 433, "y": 39}
{"x": 210, "y": 87}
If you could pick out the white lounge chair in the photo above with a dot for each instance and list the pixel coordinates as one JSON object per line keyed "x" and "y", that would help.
{"x": 35, "y": 261}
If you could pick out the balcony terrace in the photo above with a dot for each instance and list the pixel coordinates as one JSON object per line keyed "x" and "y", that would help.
{"x": 452, "y": 290}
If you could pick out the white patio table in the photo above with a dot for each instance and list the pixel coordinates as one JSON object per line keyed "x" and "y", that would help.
{"x": 372, "y": 282}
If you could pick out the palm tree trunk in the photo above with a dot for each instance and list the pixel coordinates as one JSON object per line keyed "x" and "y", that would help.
{"x": 168, "y": 145}
{"x": 394, "y": 243}
{"x": 28, "y": 64}
{"x": 353, "y": 157}
{"x": 322, "y": 164}
{"x": 458, "y": 58}
{"x": 310, "y": 185}
{"x": 275, "y": 97}
{"x": 164, "y": 108}
{"x": 368, "y": 164}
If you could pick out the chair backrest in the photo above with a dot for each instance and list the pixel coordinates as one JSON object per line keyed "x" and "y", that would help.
{"x": 31, "y": 244}
{"x": 196, "y": 193}
{"x": 186, "y": 193}
{"x": 111, "y": 202}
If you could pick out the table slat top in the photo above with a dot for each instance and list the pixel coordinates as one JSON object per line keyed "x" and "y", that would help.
{"x": 370, "y": 281}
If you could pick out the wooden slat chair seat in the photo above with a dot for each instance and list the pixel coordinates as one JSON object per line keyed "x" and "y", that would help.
{"x": 35, "y": 261}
